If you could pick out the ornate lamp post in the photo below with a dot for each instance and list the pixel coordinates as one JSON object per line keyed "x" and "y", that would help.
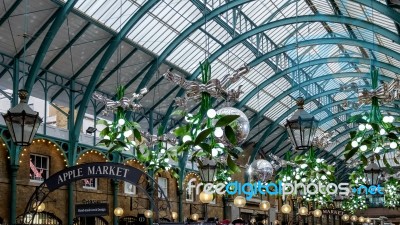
{"x": 301, "y": 127}
{"x": 207, "y": 168}
{"x": 22, "y": 121}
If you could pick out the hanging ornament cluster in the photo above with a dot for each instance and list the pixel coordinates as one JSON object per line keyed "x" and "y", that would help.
{"x": 211, "y": 134}
{"x": 376, "y": 135}
{"x": 214, "y": 87}
{"x": 120, "y": 134}
{"x": 356, "y": 201}
{"x": 124, "y": 103}
{"x": 309, "y": 169}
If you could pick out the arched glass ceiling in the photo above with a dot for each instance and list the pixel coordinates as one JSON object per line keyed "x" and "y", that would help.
{"x": 297, "y": 58}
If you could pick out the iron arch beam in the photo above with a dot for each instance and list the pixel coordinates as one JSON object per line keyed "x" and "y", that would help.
{"x": 300, "y": 19}
{"x": 185, "y": 34}
{"x": 116, "y": 40}
{"x": 44, "y": 47}
{"x": 306, "y": 83}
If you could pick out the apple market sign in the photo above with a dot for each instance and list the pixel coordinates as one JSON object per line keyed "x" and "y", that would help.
{"x": 93, "y": 170}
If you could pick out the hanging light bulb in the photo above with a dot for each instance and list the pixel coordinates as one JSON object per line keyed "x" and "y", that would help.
{"x": 286, "y": 209}
{"x": 393, "y": 145}
{"x": 368, "y": 126}
{"x": 265, "y": 205}
{"x": 354, "y": 144}
{"x": 361, "y": 127}
{"x": 317, "y": 213}
{"x": 353, "y": 218}
{"x": 382, "y": 132}
{"x": 361, "y": 219}
{"x": 386, "y": 119}
{"x": 345, "y": 217}
{"x": 303, "y": 211}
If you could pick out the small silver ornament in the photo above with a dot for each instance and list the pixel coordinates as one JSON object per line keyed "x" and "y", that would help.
{"x": 240, "y": 126}
{"x": 261, "y": 170}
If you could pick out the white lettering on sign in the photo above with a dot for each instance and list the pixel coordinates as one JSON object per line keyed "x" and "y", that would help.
{"x": 72, "y": 174}
{"x": 107, "y": 170}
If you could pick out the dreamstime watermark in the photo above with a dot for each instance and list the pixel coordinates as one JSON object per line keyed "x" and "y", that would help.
{"x": 284, "y": 189}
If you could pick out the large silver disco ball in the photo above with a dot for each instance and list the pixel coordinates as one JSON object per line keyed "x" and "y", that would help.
{"x": 241, "y": 125}
{"x": 261, "y": 170}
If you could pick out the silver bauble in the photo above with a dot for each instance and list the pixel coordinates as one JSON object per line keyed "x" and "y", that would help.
{"x": 241, "y": 126}
{"x": 261, "y": 170}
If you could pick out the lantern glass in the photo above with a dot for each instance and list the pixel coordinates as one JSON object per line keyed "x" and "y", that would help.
{"x": 22, "y": 122}
{"x": 353, "y": 218}
{"x": 301, "y": 127}
{"x": 372, "y": 171}
{"x": 345, "y": 217}
{"x": 207, "y": 169}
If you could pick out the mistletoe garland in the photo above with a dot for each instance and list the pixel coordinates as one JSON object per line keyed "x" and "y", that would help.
{"x": 309, "y": 169}
{"x": 376, "y": 134}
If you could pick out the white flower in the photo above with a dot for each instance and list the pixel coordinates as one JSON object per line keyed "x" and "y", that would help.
{"x": 121, "y": 122}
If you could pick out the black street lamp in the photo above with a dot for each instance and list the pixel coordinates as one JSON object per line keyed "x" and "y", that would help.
{"x": 207, "y": 168}
{"x": 22, "y": 121}
{"x": 373, "y": 172}
{"x": 301, "y": 127}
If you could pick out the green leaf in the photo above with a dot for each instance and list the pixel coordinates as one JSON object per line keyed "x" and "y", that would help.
{"x": 202, "y": 136}
{"x": 387, "y": 165}
{"x": 181, "y": 131}
{"x": 375, "y": 127}
{"x": 225, "y": 120}
{"x": 179, "y": 113}
{"x": 105, "y": 132}
{"x": 232, "y": 165}
{"x": 353, "y": 134}
{"x": 392, "y": 136}
{"x": 395, "y": 160}
{"x": 102, "y": 122}
{"x": 206, "y": 147}
{"x": 364, "y": 159}
{"x": 137, "y": 135}
{"x": 348, "y": 147}
{"x": 351, "y": 153}
{"x": 230, "y": 135}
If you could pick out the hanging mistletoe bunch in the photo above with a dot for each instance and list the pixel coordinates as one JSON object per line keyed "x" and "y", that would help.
{"x": 309, "y": 169}
{"x": 391, "y": 196}
{"x": 210, "y": 134}
{"x": 154, "y": 152}
{"x": 120, "y": 134}
{"x": 356, "y": 201}
{"x": 376, "y": 135}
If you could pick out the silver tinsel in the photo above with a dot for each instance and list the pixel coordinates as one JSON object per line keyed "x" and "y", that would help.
{"x": 215, "y": 87}
{"x": 125, "y": 103}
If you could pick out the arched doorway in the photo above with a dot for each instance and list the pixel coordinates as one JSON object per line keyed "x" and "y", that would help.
{"x": 97, "y": 170}
{"x": 40, "y": 218}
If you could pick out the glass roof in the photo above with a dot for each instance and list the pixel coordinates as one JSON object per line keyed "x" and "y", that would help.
{"x": 152, "y": 38}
